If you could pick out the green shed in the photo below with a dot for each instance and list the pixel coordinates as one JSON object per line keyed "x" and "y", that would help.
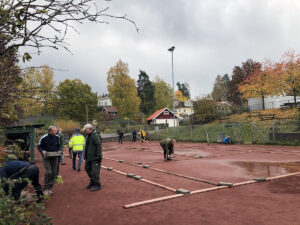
{"x": 25, "y": 132}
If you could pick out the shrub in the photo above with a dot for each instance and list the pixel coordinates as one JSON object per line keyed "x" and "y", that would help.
{"x": 19, "y": 212}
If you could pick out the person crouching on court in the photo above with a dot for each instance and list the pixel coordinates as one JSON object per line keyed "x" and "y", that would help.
{"x": 168, "y": 147}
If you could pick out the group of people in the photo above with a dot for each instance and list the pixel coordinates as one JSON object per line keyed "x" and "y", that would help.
{"x": 51, "y": 148}
{"x": 141, "y": 134}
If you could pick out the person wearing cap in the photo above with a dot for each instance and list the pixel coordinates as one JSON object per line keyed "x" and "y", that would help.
{"x": 49, "y": 147}
{"x": 93, "y": 157}
{"x": 76, "y": 144}
{"x": 168, "y": 147}
{"x": 15, "y": 169}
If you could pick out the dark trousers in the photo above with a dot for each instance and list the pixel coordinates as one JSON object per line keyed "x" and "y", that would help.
{"x": 79, "y": 159}
{"x": 50, "y": 164}
{"x": 92, "y": 169}
{"x": 120, "y": 139}
{"x": 134, "y": 139}
{"x": 32, "y": 173}
{"x": 58, "y": 162}
{"x": 165, "y": 150}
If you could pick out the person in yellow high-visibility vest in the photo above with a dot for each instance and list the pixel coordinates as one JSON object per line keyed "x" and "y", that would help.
{"x": 76, "y": 144}
{"x": 142, "y": 135}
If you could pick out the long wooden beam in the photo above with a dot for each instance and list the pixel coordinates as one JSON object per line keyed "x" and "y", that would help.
{"x": 136, "y": 204}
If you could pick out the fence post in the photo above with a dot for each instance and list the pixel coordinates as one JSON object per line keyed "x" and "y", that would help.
{"x": 242, "y": 140}
{"x": 251, "y": 129}
{"x": 191, "y": 133}
{"x": 273, "y": 131}
{"x": 207, "y": 138}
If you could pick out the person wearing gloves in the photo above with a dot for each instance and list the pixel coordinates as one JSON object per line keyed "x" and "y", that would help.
{"x": 92, "y": 157}
{"x": 76, "y": 144}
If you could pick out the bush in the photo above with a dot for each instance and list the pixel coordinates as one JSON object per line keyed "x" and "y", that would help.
{"x": 18, "y": 212}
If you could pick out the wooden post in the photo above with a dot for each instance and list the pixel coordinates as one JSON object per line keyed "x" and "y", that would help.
{"x": 207, "y": 138}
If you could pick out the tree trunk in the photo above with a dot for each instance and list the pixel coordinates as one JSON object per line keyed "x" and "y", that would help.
{"x": 263, "y": 101}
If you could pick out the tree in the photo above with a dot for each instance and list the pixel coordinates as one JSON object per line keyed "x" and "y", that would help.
{"x": 261, "y": 82}
{"x": 145, "y": 92}
{"x": 10, "y": 79}
{"x": 290, "y": 70}
{"x": 122, "y": 91}
{"x": 37, "y": 89}
{"x": 162, "y": 94}
{"x": 220, "y": 89}
{"x": 74, "y": 100}
{"x": 38, "y": 24}
{"x": 205, "y": 109}
{"x": 184, "y": 88}
{"x": 180, "y": 97}
{"x": 238, "y": 76}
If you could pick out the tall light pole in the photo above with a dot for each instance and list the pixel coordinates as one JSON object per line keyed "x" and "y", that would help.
{"x": 172, "y": 51}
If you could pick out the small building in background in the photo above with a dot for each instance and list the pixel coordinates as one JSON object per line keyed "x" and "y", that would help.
{"x": 184, "y": 110}
{"x": 163, "y": 116}
{"x": 111, "y": 111}
{"x": 104, "y": 101}
{"x": 271, "y": 102}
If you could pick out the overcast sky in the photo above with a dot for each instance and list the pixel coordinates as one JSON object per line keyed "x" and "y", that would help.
{"x": 210, "y": 36}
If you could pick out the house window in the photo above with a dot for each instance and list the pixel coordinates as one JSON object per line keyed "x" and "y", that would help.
{"x": 166, "y": 112}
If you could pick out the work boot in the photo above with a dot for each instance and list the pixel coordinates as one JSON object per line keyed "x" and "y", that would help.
{"x": 96, "y": 188}
{"x": 90, "y": 186}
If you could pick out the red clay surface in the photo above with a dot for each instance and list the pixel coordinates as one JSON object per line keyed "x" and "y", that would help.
{"x": 275, "y": 202}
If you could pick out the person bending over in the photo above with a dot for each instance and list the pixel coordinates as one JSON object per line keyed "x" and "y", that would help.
{"x": 168, "y": 147}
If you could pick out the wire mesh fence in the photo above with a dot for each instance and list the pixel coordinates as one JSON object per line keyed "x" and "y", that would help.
{"x": 259, "y": 132}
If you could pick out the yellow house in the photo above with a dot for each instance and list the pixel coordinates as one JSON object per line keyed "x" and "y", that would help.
{"x": 184, "y": 110}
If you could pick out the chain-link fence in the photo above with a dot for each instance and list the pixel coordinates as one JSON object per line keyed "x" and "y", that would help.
{"x": 285, "y": 132}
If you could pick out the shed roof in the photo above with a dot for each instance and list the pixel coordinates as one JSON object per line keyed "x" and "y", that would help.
{"x": 110, "y": 109}
{"x": 158, "y": 112}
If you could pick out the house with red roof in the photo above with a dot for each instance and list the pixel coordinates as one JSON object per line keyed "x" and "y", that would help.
{"x": 111, "y": 111}
{"x": 163, "y": 116}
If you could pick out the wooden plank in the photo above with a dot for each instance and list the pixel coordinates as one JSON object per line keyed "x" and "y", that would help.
{"x": 152, "y": 201}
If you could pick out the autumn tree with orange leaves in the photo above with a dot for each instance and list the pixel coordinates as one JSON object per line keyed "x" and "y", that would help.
{"x": 260, "y": 83}
{"x": 290, "y": 73}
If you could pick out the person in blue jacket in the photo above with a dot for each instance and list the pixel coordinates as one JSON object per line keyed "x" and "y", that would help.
{"x": 49, "y": 146}
{"x": 15, "y": 169}
{"x": 227, "y": 140}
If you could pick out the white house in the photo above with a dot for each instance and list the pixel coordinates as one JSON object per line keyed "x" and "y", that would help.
{"x": 104, "y": 101}
{"x": 271, "y": 102}
{"x": 163, "y": 116}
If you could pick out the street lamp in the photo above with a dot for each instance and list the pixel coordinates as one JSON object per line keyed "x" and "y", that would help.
{"x": 172, "y": 50}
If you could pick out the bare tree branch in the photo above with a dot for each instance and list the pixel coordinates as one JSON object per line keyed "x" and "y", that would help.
{"x": 25, "y": 22}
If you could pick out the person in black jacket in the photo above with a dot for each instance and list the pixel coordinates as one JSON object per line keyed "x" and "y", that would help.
{"x": 120, "y": 133}
{"x": 93, "y": 157}
{"x": 15, "y": 169}
{"x": 49, "y": 146}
